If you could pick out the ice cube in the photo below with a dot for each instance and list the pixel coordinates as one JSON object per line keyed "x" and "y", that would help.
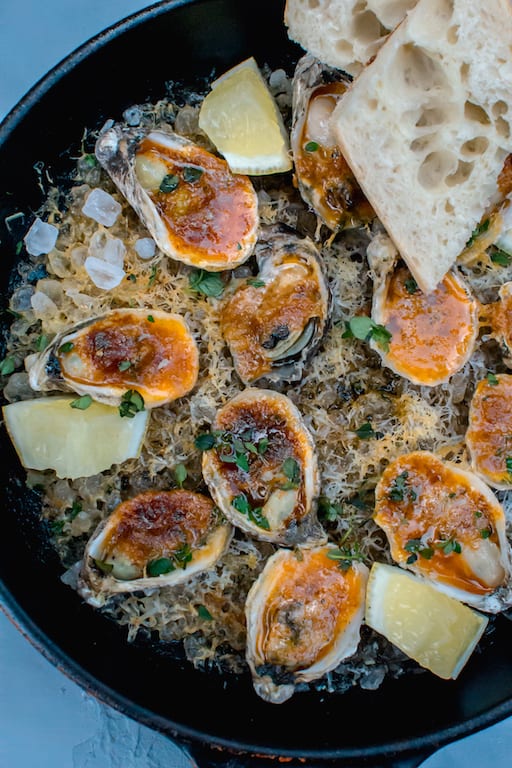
{"x": 103, "y": 274}
{"x": 40, "y": 238}
{"x": 43, "y": 306}
{"x": 101, "y": 207}
{"x": 111, "y": 249}
{"x": 145, "y": 247}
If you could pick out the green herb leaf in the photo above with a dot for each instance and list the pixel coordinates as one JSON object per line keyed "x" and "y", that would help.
{"x": 42, "y": 342}
{"x": 131, "y": 403}
{"x": 124, "y": 365}
{"x": 204, "y": 613}
{"x": 400, "y": 491}
{"x": 417, "y": 547}
{"x": 152, "y": 276}
{"x": 329, "y": 511}
{"x": 242, "y": 462}
{"x": 150, "y": 319}
{"x": 241, "y": 504}
{"x": 485, "y": 533}
{"x": 207, "y": 283}
{"x": 180, "y": 474}
{"x": 502, "y": 258}
{"x": 263, "y": 445}
{"x": 205, "y": 441}
{"x": 160, "y": 566}
{"x": 258, "y": 518}
{"x": 411, "y": 286}
{"x": 366, "y": 431}
{"x": 449, "y": 546}
{"x": 82, "y": 403}
{"x": 169, "y": 183}
{"x": 255, "y": 282}
{"x": 57, "y": 526}
{"x": 364, "y": 328}
{"x": 345, "y": 555}
{"x": 66, "y": 347}
{"x": 291, "y": 470}
{"x": 74, "y": 510}
{"x": 508, "y": 464}
{"x": 492, "y": 379}
{"x": 479, "y": 230}
{"x": 7, "y": 366}
{"x": 311, "y": 146}
{"x": 192, "y": 174}
{"x": 182, "y": 556}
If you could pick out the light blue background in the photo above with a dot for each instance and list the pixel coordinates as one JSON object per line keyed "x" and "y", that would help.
{"x": 46, "y": 720}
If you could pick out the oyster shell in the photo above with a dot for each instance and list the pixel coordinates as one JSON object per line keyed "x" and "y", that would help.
{"x": 149, "y": 351}
{"x": 274, "y": 322}
{"x": 197, "y": 211}
{"x": 499, "y": 317}
{"x": 445, "y": 524}
{"x": 156, "y": 539}
{"x": 261, "y": 468}
{"x": 325, "y": 181}
{"x": 303, "y": 617}
{"x": 432, "y": 336}
{"x": 488, "y": 437}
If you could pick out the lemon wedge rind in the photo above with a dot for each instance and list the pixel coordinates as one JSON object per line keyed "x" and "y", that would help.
{"x": 48, "y": 434}
{"x": 439, "y": 632}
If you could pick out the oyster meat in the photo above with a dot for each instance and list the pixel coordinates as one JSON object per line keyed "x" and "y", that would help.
{"x": 324, "y": 179}
{"x": 197, "y": 211}
{"x": 260, "y": 466}
{"x": 431, "y": 336}
{"x": 489, "y": 433}
{"x": 148, "y": 351}
{"x": 304, "y": 615}
{"x": 445, "y": 524}
{"x": 274, "y": 322}
{"x": 156, "y": 539}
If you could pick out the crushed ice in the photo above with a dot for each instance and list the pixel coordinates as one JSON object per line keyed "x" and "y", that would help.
{"x": 145, "y": 247}
{"x": 40, "y": 238}
{"x": 101, "y": 207}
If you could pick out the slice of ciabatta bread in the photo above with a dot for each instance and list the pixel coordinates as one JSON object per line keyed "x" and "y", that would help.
{"x": 343, "y": 33}
{"x": 426, "y": 128}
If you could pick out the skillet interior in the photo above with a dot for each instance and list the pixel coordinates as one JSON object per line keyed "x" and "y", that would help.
{"x": 154, "y": 685}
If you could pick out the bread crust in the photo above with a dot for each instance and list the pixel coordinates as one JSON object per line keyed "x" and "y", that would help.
{"x": 425, "y": 128}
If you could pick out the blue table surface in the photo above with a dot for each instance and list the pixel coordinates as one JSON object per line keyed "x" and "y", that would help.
{"x": 46, "y": 720}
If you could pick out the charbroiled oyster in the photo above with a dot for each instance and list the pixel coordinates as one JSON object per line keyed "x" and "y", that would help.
{"x": 149, "y": 352}
{"x": 275, "y": 321}
{"x": 260, "y": 466}
{"x": 304, "y": 614}
{"x": 154, "y": 540}
{"x": 431, "y": 336}
{"x": 197, "y": 211}
{"x": 321, "y": 173}
{"x": 446, "y": 525}
{"x": 489, "y": 433}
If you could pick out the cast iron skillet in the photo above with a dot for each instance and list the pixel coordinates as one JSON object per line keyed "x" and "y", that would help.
{"x": 220, "y": 720}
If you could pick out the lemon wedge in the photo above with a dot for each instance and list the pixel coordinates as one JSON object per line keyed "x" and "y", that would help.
{"x": 48, "y": 434}
{"x": 241, "y": 117}
{"x": 436, "y": 630}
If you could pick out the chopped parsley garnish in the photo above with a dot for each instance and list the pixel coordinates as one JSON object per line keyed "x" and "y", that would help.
{"x": 180, "y": 474}
{"x": 417, "y": 547}
{"x": 364, "y": 328}
{"x": 131, "y": 403}
{"x": 66, "y": 347}
{"x": 449, "y": 546}
{"x": 150, "y": 319}
{"x": 74, "y": 510}
{"x": 366, "y": 432}
{"x": 103, "y": 566}
{"x": 204, "y": 613}
{"x": 152, "y": 276}
{"x": 42, "y": 342}
{"x": 254, "y": 514}
{"x": 508, "y": 464}
{"x": 400, "y": 491}
{"x": 411, "y": 286}
{"x": 501, "y": 258}
{"x": 124, "y": 365}
{"x": 346, "y": 556}
{"x": 82, "y": 403}
{"x": 255, "y": 282}
{"x": 311, "y": 146}
{"x": 492, "y": 379}
{"x": 485, "y": 533}
{"x": 291, "y": 471}
{"x": 160, "y": 566}
{"x": 205, "y": 441}
{"x": 7, "y": 366}
{"x": 192, "y": 174}
{"x": 169, "y": 183}
{"x": 328, "y": 510}
{"x": 479, "y": 230}
{"x": 207, "y": 283}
